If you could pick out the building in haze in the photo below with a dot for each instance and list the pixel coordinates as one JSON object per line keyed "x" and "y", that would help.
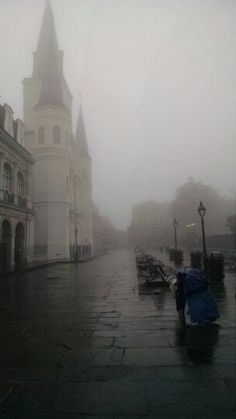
{"x": 105, "y": 236}
{"x": 149, "y": 225}
{"x": 16, "y": 214}
{"x": 62, "y": 169}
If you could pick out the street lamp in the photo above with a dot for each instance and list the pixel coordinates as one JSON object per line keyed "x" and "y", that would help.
{"x": 175, "y": 226}
{"x": 76, "y": 235}
{"x": 201, "y": 212}
{"x": 191, "y": 234}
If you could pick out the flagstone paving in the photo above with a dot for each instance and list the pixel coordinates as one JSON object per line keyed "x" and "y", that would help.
{"x": 92, "y": 340}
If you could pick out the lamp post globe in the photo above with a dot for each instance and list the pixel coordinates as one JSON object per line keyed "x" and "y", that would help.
{"x": 76, "y": 250}
{"x": 202, "y": 212}
{"x": 175, "y": 227}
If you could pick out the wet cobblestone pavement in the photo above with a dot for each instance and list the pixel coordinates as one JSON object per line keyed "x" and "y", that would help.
{"x": 91, "y": 340}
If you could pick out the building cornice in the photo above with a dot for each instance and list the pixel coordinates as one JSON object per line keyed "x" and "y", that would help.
{"x": 47, "y": 106}
{"x": 51, "y": 154}
{"x": 18, "y": 148}
{"x": 14, "y": 209}
{"x": 51, "y": 202}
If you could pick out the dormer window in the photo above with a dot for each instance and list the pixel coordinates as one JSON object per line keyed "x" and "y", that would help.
{"x": 41, "y": 135}
{"x": 56, "y": 135}
{"x": 19, "y": 132}
{"x": 8, "y": 120}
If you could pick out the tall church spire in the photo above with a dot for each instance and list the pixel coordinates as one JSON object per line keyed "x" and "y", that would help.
{"x": 80, "y": 137}
{"x": 51, "y": 90}
{"x": 48, "y": 62}
{"x": 47, "y": 45}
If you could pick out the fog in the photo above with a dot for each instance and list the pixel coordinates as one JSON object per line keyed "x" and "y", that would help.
{"x": 157, "y": 83}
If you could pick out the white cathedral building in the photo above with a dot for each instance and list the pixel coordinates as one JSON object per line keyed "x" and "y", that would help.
{"x": 61, "y": 179}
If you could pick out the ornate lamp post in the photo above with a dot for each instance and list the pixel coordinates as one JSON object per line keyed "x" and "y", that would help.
{"x": 201, "y": 212}
{"x": 191, "y": 235}
{"x": 175, "y": 226}
{"x": 76, "y": 252}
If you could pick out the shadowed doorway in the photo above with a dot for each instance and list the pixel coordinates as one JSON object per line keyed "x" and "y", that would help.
{"x": 19, "y": 245}
{"x": 6, "y": 246}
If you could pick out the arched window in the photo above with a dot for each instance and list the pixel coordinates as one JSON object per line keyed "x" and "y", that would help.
{"x": 20, "y": 184}
{"x": 41, "y": 135}
{"x": 56, "y": 135}
{"x": 7, "y": 177}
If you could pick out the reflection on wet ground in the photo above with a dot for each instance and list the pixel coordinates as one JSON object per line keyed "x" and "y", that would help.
{"x": 200, "y": 342}
{"x": 93, "y": 340}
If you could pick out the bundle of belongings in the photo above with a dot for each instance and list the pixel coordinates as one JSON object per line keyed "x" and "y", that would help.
{"x": 194, "y": 303}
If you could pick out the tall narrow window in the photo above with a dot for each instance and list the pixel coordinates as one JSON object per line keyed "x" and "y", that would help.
{"x": 20, "y": 184}
{"x": 56, "y": 135}
{"x": 41, "y": 135}
{"x": 7, "y": 177}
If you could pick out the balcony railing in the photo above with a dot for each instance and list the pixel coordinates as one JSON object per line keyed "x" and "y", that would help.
{"x": 13, "y": 199}
{"x": 8, "y": 197}
{"x": 21, "y": 202}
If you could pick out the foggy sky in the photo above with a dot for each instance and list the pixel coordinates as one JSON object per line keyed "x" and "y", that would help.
{"x": 158, "y": 85}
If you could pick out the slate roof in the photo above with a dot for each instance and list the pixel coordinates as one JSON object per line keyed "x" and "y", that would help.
{"x": 2, "y": 115}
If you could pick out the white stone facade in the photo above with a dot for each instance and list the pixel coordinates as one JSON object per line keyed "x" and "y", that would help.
{"x": 16, "y": 214}
{"x": 62, "y": 169}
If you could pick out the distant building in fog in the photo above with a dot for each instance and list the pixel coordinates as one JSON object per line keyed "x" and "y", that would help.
{"x": 62, "y": 169}
{"x": 149, "y": 225}
{"x": 105, "y": 235}
{"x": 16, "y": 215}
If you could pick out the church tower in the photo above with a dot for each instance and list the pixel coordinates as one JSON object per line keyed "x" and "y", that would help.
{"x": 83, "y": 169}
{"x": 49, "y": 138}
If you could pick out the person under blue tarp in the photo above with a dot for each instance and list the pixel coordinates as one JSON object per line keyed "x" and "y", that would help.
{"x": 194, "y": 299}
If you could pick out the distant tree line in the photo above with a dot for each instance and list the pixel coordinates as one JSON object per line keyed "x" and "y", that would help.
{"x": 231, "y": 223}
{"x": 187, "y": 199}
{"x": 220, "y": 217}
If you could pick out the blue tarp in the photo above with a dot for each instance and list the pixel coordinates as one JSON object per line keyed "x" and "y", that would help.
{"x": 201, "y": 304}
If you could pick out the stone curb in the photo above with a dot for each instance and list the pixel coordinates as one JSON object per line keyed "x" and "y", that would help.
{"x": 43, "y": 265}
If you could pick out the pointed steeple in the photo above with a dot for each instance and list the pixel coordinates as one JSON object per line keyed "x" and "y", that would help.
{"x": 51, "y": 90}
{"x": 47, "y": 45}
{"x": 48, "y": 31}
{"x": 48, "y": 62}
{"x": 80, "y": 138}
